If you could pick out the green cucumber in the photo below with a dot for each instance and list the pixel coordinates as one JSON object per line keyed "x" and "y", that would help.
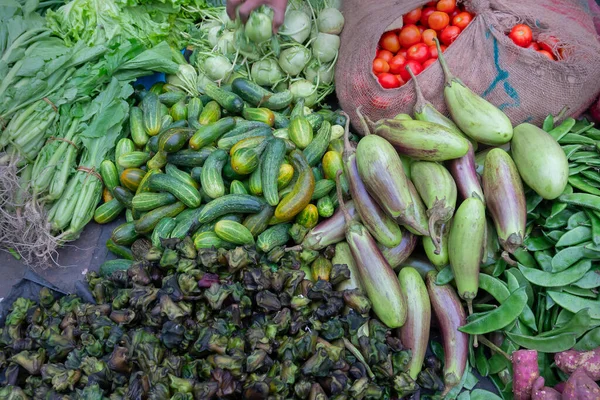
{"x": 196, "y": 173}
{"x": 187, "y": 222}
{"x": 255, "y": 181}
{"x": 136, "y": 127}
{"x": 274, "y": 236}
{"x": 208, "y": 240}
{"x": 207, "y": 134}
{"x": 229, "y": 173}
{"x": 174, "y": 139}
{"x": 152, "y": 145}
{"x": 147, "y": 201}
{"x": 243, "y": 126}
{"x": 315, "y": 120}
{"x": 194, "y": 108}
{"x": 179, "y": 111}
{"x": 237, "y": 187}
{"x": 123, "y": 146}
{"x": 281, "y": 121}
{"x": 169, "y": 99}
{"x": 181, "y": 176}
{"x": 108, "y": 267}
{"x": 148, "y": 222}
{"x": 190, "y": 158}
{"x": 325, "y": 207}
{"x": 125, "y": 234}
{"x": 210, "y": 113}
{"x": 135, "y": 159}
{"x": 110, "y": 175}
{"x": 233, "y": 232}
{"x": 316, "y": 149}
{"x": 257, "y": 96}
{"x": 162, "y": 230}
{"x": 187, "y": 194}
{"x": 108, "y": 211}
{"x": 228, "y": 100}
{"x": 257, "y": 223}
{"x": 230, "y": 203}
{"x": 270, "y": 164}
{"x": 152, "y": 114}
{"x": 123, "y": 195}
{"x": 301, "y": 132}
{"x": 121, "y": 251}
{"x": 228, "y": 142}
{"x": 211, "y": 178}
{"x": 322, "y": 188}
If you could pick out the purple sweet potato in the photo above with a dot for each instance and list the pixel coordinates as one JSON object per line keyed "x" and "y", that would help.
{"x": 581, "y": 387}
{"x": 525, "y": 372}
{"x": 569, "y": 361}
{"x": 541, "y": 392}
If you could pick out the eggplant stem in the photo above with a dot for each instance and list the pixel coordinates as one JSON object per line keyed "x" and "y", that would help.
{"x": 475, "y": 341}
{"x": 352, "y": 349}
{"x": 494, "y": 348}
{"x": 421, "y": 101}
{"x": 509, "y": 261}
{"x": 447, "y": 74}
{"x": 470, "y": 306}
{"x": 363, "y": 121}
{"x": 338, "y": 189}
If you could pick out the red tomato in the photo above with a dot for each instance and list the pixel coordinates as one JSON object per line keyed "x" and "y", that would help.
{"x": 462, "y": 19}
{"x": 431, "y": 4}
{"x": 418, "y": 52}
{"x": 547, "y": 54}
{"x": 400, "y": 79}
{"x": 380, "y": 65}
{"x": 402, "y": 53}
{"x": 384, "y": 55}
{"x": 412, "y": 17}
{"x": 409, "y": 35}
{"x": 388, "y": 81}
{"x": 414, "y": 66}
{"x": 428, "y": 36}
{"x": 421, "y": 29}
{"x": 454, "y": 13}
{"x": 389, "y": 41}
{"x": 449, "y": 34}
{"x": 548, "y": 44}
{"x": 397, "y": 63}
{"x": 521, "y": 34}
{"x": 534, "y": 46}
{"x": 438, "y": 20}
{"x": 429, "y": 62}
{"x": 446, "y": 6}
{"x": 433, "y": 53}
{"x": 425, "y": 16}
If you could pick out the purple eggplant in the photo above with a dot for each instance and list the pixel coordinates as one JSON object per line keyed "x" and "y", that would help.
{"x": 450, "y": 315}
{"x": 378, "y": 279}
{"x": 396, "y": 255}
{"x": 464, "y": 172}
{"x": 330, "y": 231}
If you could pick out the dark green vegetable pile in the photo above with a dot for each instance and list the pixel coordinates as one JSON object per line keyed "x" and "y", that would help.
{"x": 183, "y": 324}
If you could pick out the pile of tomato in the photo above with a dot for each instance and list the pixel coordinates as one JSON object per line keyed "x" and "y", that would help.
{"x": 522, "y": 36}
{"x": 414, "y": 45}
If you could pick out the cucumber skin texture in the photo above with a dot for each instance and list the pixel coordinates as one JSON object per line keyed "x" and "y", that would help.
{"x": 148, "y": 222}
{"x": 123, "y": 196}
{"x": 322, "y": 188}
{"x": 258, "y": 96}
{"x": 274, "y": 236}
{"x": 211, "y": 113}
{"x": 108, "y": 267}
{"x": 120, "y": 251}
{"x": 301, "y": 132}
{"x": 233, "y": 232}
{"x": 162, "y": 230}
{"x": 207, "y": 134}
{"x": 152, "y": 114}
{"x": 148, "y": 201}
{"x": 257, "y": 223}
{"x": 228, "y": 100}
{"x": 190, "y": 158}
{"x": 125, "y": 234}
{"x": 211, "y": 178}
{"x": 108, "y": 211}
{"x": 110, "y": 175}
{"x": 317, "y": 148}
{"x": 131, "y": 178}
{"x": 271, "y": 162}
{"x": 230, "y": 203}
{"x": 186, "y": 194}
{"x": 187, "y": 225}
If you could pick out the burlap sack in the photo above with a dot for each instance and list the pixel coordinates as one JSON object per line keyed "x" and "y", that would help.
{"x": 526, "y": 85}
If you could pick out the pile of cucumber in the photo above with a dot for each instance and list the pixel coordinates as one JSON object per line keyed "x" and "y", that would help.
{"x": 239, "y": 165}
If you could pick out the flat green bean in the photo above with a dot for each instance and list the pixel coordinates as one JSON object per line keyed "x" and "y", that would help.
{"x": 589, "y": 341}
{"x": 593, "y": 133}
{"x": 524, "y": 257}
{"x": 575, "y": 236}
{"x": 577, "y": 219}
{"x": 577, "y": 291}
{"x": 522, "y": 282}
{"x": 549, "y": 279}
{"x": 563, "y": 317}
{"x": 563, "y": 129}
{"x": 550, "y": 344}
{"x": 481, "y": 362}
{"x": 575, "y": 303}
{"x": 581, "y": 200}
{"x": 559, "y": 220}
{"x": 544, "y": 259}
{"x": 500, "y": 317}
{"x": 593, "y": 175}
{"x": 548, "y": 124}
{"x": 532, "y": 201}
{"x": 595, "y": 225}
{"x": 590, "y": 280}
{"x": 582, "y": 155}
{"x": 499, "y": 267}
{"x": 554, "y": 235}
{"x": 580, "y": 184}
{"x": 582, "y": 126}
{"x": 445, "y": 276}
{"x": 571, "y": 138}
{"x": 571, "y": 149}
{"x": 537, "y": 243}
{"x": 577, "y": 325}
{"x": 574, "y": 171}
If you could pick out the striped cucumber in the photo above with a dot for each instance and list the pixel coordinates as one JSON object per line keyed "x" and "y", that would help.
{"x": 136, "y": 126}
{"x": 162, "y": 230}
{"x": 110, "y": 175}
{"x": 237, "y": 187}
{"x": 187, "y": 222}
{"x": 148, "y": 222}
{"x": 211, "y": 178}
{"x": 207, "y": 134}
{"x": 274, "y": 236}
{"x": 152, "y": 114}
{"x": 190, "y": 158}
{"x": 123, "y": 195}
{"x": 257, "y": 96}
{"x": 149, "y": 201}
{"x": 208, "y": 240}
{"x": 258, "y": 222}
{"x": 230, "y": 203}
{"x": 318, "y": 146}
{"x": 272, "y": 160}
{"x": 125, "y": 234}
{"x": 322, "y": 188}
{"x": 108, "y": 211}
{"x": 187, "y": 194}
{"x": 181, "y": 176}
{"x": 135, "y": 159}
{"x": 233, "y": 232}
{"x": 210, "y": 113}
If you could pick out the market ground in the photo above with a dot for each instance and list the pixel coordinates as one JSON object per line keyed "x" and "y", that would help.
{"x": 88, "y": 252}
